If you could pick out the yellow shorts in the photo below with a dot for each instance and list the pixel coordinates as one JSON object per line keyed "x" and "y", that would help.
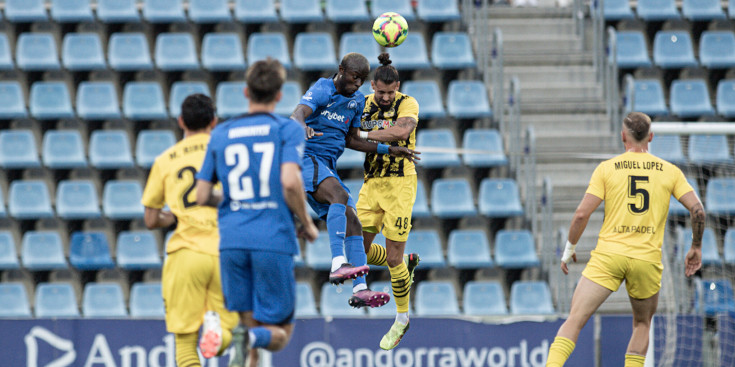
{"x": 191, "y": 286}
{"x": 386, "y": 204}
{"x": 642, "y": 278}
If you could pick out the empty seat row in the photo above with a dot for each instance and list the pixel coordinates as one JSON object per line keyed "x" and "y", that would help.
{"x": 674, "y": 50}
{"x": 710, "y": 252}
{"x": 688, "y": 98}
{"x": 702, "y": 149}
{"x": 720, "y": 195}
{"x": 658, "y": 10}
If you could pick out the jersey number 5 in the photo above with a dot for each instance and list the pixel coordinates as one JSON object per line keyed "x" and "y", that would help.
{"x": 634, "y": 191}
{"x": 240, "y": 183}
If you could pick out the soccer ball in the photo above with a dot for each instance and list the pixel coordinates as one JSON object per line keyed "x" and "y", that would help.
{"x": 390, "y": 29}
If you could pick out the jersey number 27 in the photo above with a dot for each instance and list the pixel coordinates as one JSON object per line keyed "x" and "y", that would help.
{"x": 240, "y": 181}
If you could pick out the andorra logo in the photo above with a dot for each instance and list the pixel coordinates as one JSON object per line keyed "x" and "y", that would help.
{"x": 64, "y": 345}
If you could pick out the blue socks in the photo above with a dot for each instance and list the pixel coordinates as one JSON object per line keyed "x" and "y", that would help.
{"x": 336, "y": 227}
{"x": 260, "y": 337}
{"x": 357, "y": 257}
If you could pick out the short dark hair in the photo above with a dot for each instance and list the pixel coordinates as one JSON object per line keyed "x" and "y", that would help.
{"x": 385, "y": 73}
{"x": 354, "y": 61}
{"x": 638, "y": 124}
{"x": 264, "y": 79}
{"x": 197, "y": 111}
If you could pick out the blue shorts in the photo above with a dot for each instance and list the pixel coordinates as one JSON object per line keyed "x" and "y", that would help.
{"x": 315, "y": 171}
{"x": 259, "y": 281}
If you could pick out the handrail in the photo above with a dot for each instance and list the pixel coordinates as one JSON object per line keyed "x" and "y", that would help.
{"x": 529, "y": 153}
{"x": 564, "y": 284}
{"x": 612, "y": 88}
{"x": 627, "y": 105}
{"x": 513, "y": 128}
{"x": 497, "y": 78}
{"x": 547, "y": 223}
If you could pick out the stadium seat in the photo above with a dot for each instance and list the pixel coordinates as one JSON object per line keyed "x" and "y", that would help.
{"x": 77, "y": 199}
{"x": 428, "y": 96}
{"x": 710, "y": 254}
{"x": 657, "y": 10}
{"x": 451, "y": 198}
{"x": 97, "y": 101}
{"x": 63, "y": 149}
{"x": 6, "y": 56}
{"x": 350, "y": 158}
{"x": 25, "y": 11}
{"x": 29, "y": 199}
{"x": 729, "y": 246}
{"x": 362, "y": 43}
{"x": 103, "y": 300}
{"x": 488, "y": 140}
{"x": 426, "y": 242}
{"x": 209, "y": 11}
{"x": 146, "y": 300}
{"x": 56, "y": 300}
{"x": 388, "y": 309}
{"x": 412, "y": 54}
{"x": 180, "y": 90}
{"x": 222, "y": 52}
{"x": 14, "y": 105}
{"x": 347, "y": 11}
{"x": 354, "y": 185}
{"x": 717, "y": 295}
{"x": 648, "y": 98}
{"x": 529, "y": 297}
{"x": 467, "y": 99}
{"x": 515, "y": 249}
{"x": 110, "y": 149}
{"x": 121, "y": 200}
{"x": 333, "y": 302}
{"x": 18, "y": 149}
{"x": 668, "y": 148}
{"x": 673, "y": 50}
{"x": 725, "y": 98}
{"x": 437, "y": 10}
{"x": 702, "y": 10}
{"x": 14, "y": 300}
{"x": 690, "y": 98}
{"x": 469, "y": 249}
{"x": 144, "y": 101}
{"x": 152, "y": 143}
{"x": 129, "y": 52}
{"x": 164, "y": 11}
{"x": 36, "y": 52}
{"x": 42, "y": 250}
{"x": 484, "y": 299}
{"x": 499, "y": 198}
{"x": 314, "y": 51}
{"x": 50, "y": 101}
{"x": 452, "y": 50}
{"x": 301, "y": 11}
{"x": 675, "y": 207}
{"x": 137, "y": 250}
{"x": 83, "y": 52}
{"x": 437, "y": 138}
{"x": 421, "y": 205}
{"x": 176, "y": 52}
{"x": 617, "y": 10}
{"x": 90, "y": 251}
{"x": 117, "y": 11}
{"x": 8, "y": 252}
{"x": 632, "y": 50}
{"x": 71, "y": 11}
{"x": 709, "y": 149}
{"x": 318, "y": 254}
{"x": 720, "y": 198}
{"x": 402, "y": 7}
{"x": 231, "y": 101}
{"x": 436, "y": 298}
{"x": 291, "y": 95}
{"x": 263, "y": 45}
{"x": 305, "y": 303}
{"x": 731, "y": 9}
{"x": 256, "y": 11}
{"x": 717, "y": 49}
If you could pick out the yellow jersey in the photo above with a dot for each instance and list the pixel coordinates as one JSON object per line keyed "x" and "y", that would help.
{"x": 374, "y": 118}
{"x": 171, "y": 182}
{"x": 636, "y": 188}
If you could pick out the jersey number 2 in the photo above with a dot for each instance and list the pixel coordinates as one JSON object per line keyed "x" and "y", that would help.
{"x": 241, "y": 184}
{"x": 634, "y": 191}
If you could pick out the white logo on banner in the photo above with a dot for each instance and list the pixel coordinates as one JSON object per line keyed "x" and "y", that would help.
{"x": 52, "y": 339}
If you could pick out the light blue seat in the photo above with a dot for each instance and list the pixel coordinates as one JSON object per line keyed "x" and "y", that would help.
{"x": 354, "y": 185}
{"x": 42, "y": 250}
{"x": 146, "y": 300}
{"x": 29, "y": 199}
{"x": 427, "y": 244}
{"x": 97, "y": 101}
{"x": 675, "y": 207}
{"x": 8, "y": 252}
{"x": 144, "y": 101}
{"x": 50, "y": 101}
{"x": 673, "y": 50}
{"x": 667, "y": 147}
{"x": 180, "y": 90}
{"x": 63, "y": 149}
{"x": 90, "y": 251}
{"x": 83, "y": 52}
{"x": 402, "y": 7}
{"x": 717, "y": 49}
{"x": 709, "y": 149}
{"x": 362, "y": 43}
{"x": 427, "y": 94}
{"x": 314, "y": 51}
{"x": 452, "y": 50}
{"x": 222, "y": 52}
{"x": 255, "y": 11}
{"x": 6, "y": 56}
{"x": 335, "y": 304}
{"x": 437, "y": 10}
{"x": 14, "y": 105}
{"x": 729, "y": 246}
{"x": 726, "y": 98}
{"x": 632, "y": 50}
{"x": 231, "y": 99}
{"x": 467, "y": 99}
{"x": 25, "y": 11}
{"x": 702, "y": 10}
{"x": 731, "y": 9}
{"x": 209, "y": 11}
{"x": 451, "y": 198}
{"x": 264, "y": 45}
{"x": 499, "y": 198}
{"x": 648, "y": 98}
{"x": 301, "y": 11}
{"x": 436, "y": 298}
{"x": 720, "y": 197}
{"x": 469, "y": 249}
{"x": 305, "y": 303}
{"x": 117, "y": 11}
{"x": 121, "y": 200}
{"x": 110, "y": 149}
{"x": 150, "y": 144}
{"x": 318, "y": 254}
{"x": 387, "y": 310}
{"x": 529, "y": 297}
{"x": 56, "y": 300}
{"x": 77, "y": 199}
{"x": 617, "y": 10}
{"x": 411, "y": 54}
{"x": 290, "y": 96}
{"x": 437, "y": 138}
{"x": 421, "y": 205}
{"x": 717, "y": 295}
{"x": 690, "y": 98}
{"x": 515, "y": 249}
{"x": 487, "y": 140}
{"x": 350, "y": 159}
{"x": 710, "y": 254}
{"x": 176, "y": 52}
{"x": 137, "y": 250}
{"x": 484, "y": 299}
{"x": 657, "y": 10}
{"x": 36, "y": 52}
{"x": 71, "y": 11}
{"x": 347, "y": 11}
{"x": 14, "y": 300}
{"x": 164, "y": 11}
{"x": 129, "y": 52}
{"x": 18, "y": 149}
{"x": 103, "y": 300}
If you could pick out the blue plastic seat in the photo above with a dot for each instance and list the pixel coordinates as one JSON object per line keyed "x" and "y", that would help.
{"x": 290, "y": 96}
{"x": 56, "y": 300}
{"x": 452, "y": 198}
{"x": 467, "y": 99}
{"x": 121, "y": 200}
{"x": 63, "y": 149}
{"x": 255, "y": 11}
{"x": 103, "y": 300}
{"x": 484, "y": 299}
{"x": 42, "y": 250}
{"x": 137, "y": 250}
{"x": 452, "y": 50}
{"x": 14, "y": 300}
{"x": 144, "y": 101}
{"x": 314, "y": 51}
{"x": 362, "y": 43}
{"x": 305, "y": 303}
{"x": 231, "y": 101}
{"x": 702, "y": 10}
{"x": 668, "y": 148}
{"x": 690, "y": 98}
{"x": 18, "y": 149}
{"x": 656, "y": 10}
{"x": 437, "y": 138}
{"x": 387, "y": 310}
{"x": 709, "y": 149}
{"x": 617, "y": 10}
{"x": 729, "y": 246}
{"x": 8, "y": 252}
{"x": 717, "y": 295}
{"x": 402, "y": 7}
{"x": 90, "y": 251}
{"x": 350, "y": 159}
{"x": 354, "y": 186}
{"x": 129, "y": 52}
{"x": 301, "y": 11}
{"x": 411, "y": 54}
{"x": 83, "y": 52}
{"x": 50, "y": 101}
{"x": 146, "y": 300}
{"x": 176, "y": 52}
{"x": 673, "y": 50}
{"x": 110, "y": 149}
{"x": 209, "y": 11}
{"x": 335, "y": 304}
{"x": 421, "y": 205}
{"x": 529, "y": 297}
{"x": 731, "y": 9}
{"x": 632, "y": 50}
{"x": 499, "y": 198}
{"x": 347, "y": 11}
{"x": 648, "y": 98}
{"x": 77, "y": 199}
{"x": 36, "y": 52}
{"x": 717, "y": 49}
{"x": 436, "y": 298}
{"x": 515, "y": 249}
{"x": 264, "y": 45}
{"x": 437, "y": 10}
{"x": 25, "y": 11}
{"x": 180, "y": 90}
{"x": 71, "y": 11}
{"x": 164, "y": 11}
{"x": 150, "y": 144}
{"x": 675, "y": 207}
{"x": 97, "y": 101}
{"x": 427, "y": 94}
{"x": 117, "y": 11}
{"x": 469, "y": 249}
{"x": 6, "y": 56}
{"x": 427, "y": 244}
{"x": 487, "y": 140}
{"x": 29, "y": 199}
{"x": 710, "y": 254}
{"x": 318, "y": 254}
{"x": 720, "y": 197}
{"x": 222, "y": 52}
{"x": 14, "y": 105}
{"x": 726, "y": 98}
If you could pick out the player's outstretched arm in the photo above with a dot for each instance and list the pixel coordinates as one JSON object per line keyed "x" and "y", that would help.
{"x": 300, "y": 114}
{"x": 157, "y": 218}
{"x": 400, "y": 131}
{"x": 293, "y": 193}
{"x": 693, "y": 259}
{"x": 579, "y": 223}
{"x": 206, "y": 195}
{"x": 353, "y": 141}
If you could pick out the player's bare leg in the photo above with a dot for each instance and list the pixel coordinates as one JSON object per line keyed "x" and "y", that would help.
{"x": 643, "y": 310}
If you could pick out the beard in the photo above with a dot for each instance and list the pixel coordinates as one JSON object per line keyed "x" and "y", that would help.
{"x": 384, "y": 107}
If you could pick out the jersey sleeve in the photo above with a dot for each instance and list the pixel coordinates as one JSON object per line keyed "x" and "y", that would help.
{"x": 315, "y": 97}
{"x": 153, "y": 194}
{"x": 292, "y": 143}
{"x": 207, "y": 172}
{"x": 681, "y": 185}
{"x": 357, "y": 118}
{"x": 409, "y": 108}
{"x": 597, "y": 182}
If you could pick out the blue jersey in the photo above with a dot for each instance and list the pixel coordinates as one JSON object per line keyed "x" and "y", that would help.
{"x": 245, "y": 154}
{"x": 333, "y": 115}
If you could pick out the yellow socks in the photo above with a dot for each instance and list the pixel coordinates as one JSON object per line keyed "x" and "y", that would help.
{"x": 186, "y": 350}
{"x": 634, "y": 360}
{"x": 559, "y": 352}
{"x": 400, "y": 280}
{"x": 377, "y": 255}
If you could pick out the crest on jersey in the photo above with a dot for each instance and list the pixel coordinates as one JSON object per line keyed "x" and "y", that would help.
{"x": 388, "y": 114}
{"x": 352, "y": 105}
